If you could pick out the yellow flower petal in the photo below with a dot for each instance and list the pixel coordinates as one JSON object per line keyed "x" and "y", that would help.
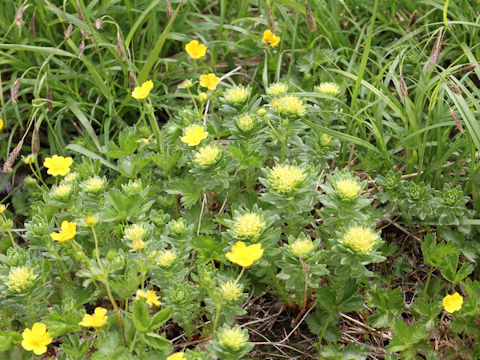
{"x": 141, "y": 92}
{"x": 195, "y": 49}
{"x": 269, "y": 38}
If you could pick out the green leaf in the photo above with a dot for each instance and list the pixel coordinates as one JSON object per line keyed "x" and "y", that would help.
{"x": 389, "y": 303}
{"x": 91, "y": 155}
{"x": 405, "y": 337}
{"x": 160, "y": 318}
{"x": 9, "y": 339}
{"x": 156, "y": 341}
{"x": 140, "y": 316}
{"x": 187, "y": 188}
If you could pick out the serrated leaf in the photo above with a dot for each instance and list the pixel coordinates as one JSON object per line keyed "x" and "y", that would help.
{"x": 156, "y": 341}
{"x": 160, "y": 318}
{"x": 140, "y": 316}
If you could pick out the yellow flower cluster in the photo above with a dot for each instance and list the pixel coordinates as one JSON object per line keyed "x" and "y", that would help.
{"x": 452, "y": 303}
{"x": 245, "y": 122}
{"x": 150, "y": 297}
{"x": 233, "y": 338}
{"x": 20, "y": 278}
{"x": 36, "y": 339}
{"x": 195, "y": 49}
{"x": 93, "y": 184}
{"x": 348, "y": 188}
{"x": 270, "y": 39}
{"x": 68, "y": 230}
{"x": 58, "y": 165}
{"x": 277, "y": 89}
{"x": 142, "y": 91}
{"x": 194, "y": 134}
{"x": 176, "y": 356}
{"x": 62, "y": 191}
{"x": 231, "y": 290}
{"x": 207, "y": 155}
{"x": 178, "y": 226}
{"x": 209, "y": 81}
{"x": 284, "y": 178}
{"x": 166, "y": 258}
{"x": 289, "y": 105}
{"x": 244, "y": 255}
{"x": 302, "y": 247}
{"x": 237, "y": 94}
{"x": 361, "y": 239}
{"x": 248, "y": 226}
{"x": 328, "y": 88}
{"x": 97, "y": 319}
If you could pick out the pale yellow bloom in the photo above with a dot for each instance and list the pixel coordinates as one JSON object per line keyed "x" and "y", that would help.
{"x": 141, "y": 92}
{"x": 195, "y": 49}
{"x": 209, "y": 81}
{"x": 245, "y": 122}
{"x": 194, "y": 134}
{"x": 20, "y": 278}
{"x": 62, "y": 191}
{"x": 452, "y": 303}
{"x": 244, "y": 255}
{"x": 290, "y": 105}
{"x": 135, "y": 231}
{"x": 231, "y": 290}
{"x": 94, "y": 184}
{"x": 237, "y": 94}
{"x": 248, "y": 226}
{"x": 285, "y": 178}
{"x": 328, "y": 88}
{"x": 36, "y": 339}
{"x": 207, "y": 155}
{"x": 277, "y": 89}
{"x": 269, "y": 38}
{"x": 361, "y": 239}
{"x": 91, "y": 220}
{"x": 302, "y": 247}
{"x": 166, "y": 258}
{"x": 348, "y": 188}
{"x": 67, "y": 232}
{"x": 203, "y": 97}
{"x": 186, "y": 84}
{"x": 233, "y": 338}
{"x": 1, "y": 124}
{"x": 150, "y": 296}
{"x": 97, "y": 319}
{"x": 58, "y": 165}
{"x": 2, "y": 208}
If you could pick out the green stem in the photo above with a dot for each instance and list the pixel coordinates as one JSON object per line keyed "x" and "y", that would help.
{"x": 427, "y": 282}
{"x": 133, "y": 341}
{"x": 320, "y": 338}
{"x": 11, "y": 239}
{"x": 239, "y": 276}
{"x": 218, "y": 307}
{"x": 154, "y": 124}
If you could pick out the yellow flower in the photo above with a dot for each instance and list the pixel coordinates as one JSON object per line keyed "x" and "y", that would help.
{"x": 248, "y": 226}
{"x": 231, "y": 290}
{"x": 141, "y": 92}
{"x": 58, "y": 165}
{"x": 270, "y": 38}
{"x": 68, "y": 232}
{"x": 285, "y": 178}
{"x": 302, "y": 247}
{"x": 177, "y": 356}
{"x": 91, "y": 220}
{"x": 209, "y": 81}
{"x": 97, "y": 319}
{"x": 1, "y": 124}
{"x": 207, "y": 155}
{"x": 194, "y": 134}
{"x": 195, "y": 49}
{"x": 244, "y": 255}
{"x": 2, "y": 208}
{"x": 237, "y": 94}
{"x": 361, "y": 239}
{"x": 348, "y": 188}
{"x": 452, "y": 303}
{"x": 150, "y": 296}
{"x": 277, "y": 89}
{"x": 20, "y": 278}
{"x": 166, "y": 258}
{"x": 138, "y": 244}
{"x": 328, "y": 88}
{"x": 233, "y": 338}
{"x": 290, "y": 105}
{"x": 36, "y": 339}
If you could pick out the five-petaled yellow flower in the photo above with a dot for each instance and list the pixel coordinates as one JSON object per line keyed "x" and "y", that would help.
{"x": 452, "y": 303}
{"x": 97, "y": 319}
{"x": 269, "y": 38}
{"x": 245, "y": 255}
{"x": 195, "y": 49}
{"x": 177, "y": 356}
{"x": 36, "y": 339}
{"x": 67, "y": 232}
{"x": 194, "y": 134}
{"x": 58, "y": 165}
{"x": 141, "y": 92}
{"x": 150, "y": 296}
{"x": 209, "y": 81}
